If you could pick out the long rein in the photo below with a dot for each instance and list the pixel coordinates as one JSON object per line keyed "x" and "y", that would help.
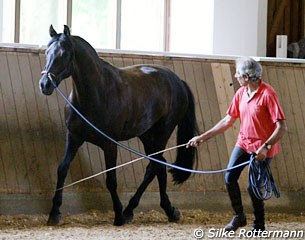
{"x": 254, "y": 172}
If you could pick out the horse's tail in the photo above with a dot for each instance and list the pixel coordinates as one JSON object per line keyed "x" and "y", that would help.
{"x": 187, "y": 128}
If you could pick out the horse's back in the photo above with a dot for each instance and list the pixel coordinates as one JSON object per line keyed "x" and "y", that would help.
{"x": 152, "y": 76}
{"x": 153, "y": 92}
{"x": 151, "y": 81}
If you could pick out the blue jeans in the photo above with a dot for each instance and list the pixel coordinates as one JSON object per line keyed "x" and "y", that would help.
{"x": 239, "y": 156}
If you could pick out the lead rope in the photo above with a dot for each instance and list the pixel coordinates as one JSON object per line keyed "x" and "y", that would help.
{"x": 119, "y": 166}
{"x": 136, "y": 152}
{"x": 261, "y": 180}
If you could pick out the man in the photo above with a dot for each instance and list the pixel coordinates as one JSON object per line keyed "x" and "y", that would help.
{"x": 262, "y": 124}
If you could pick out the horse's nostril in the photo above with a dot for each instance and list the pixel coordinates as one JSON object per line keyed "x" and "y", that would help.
{"x": 44, "y": 83}
{"x": 45, "y": 86}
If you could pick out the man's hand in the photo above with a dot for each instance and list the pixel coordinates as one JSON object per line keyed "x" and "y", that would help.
{"x": 261, "y": 153}
{"x": 194, "y": 142}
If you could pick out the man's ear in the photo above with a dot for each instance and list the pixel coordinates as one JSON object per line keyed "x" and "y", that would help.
{"x": 52, "y": 32}
{"x": 67, "y": 30}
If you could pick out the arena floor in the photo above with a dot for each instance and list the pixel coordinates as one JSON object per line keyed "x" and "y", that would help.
{"x": 148, "y": 225}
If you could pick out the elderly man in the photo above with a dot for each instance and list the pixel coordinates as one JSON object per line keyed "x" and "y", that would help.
{"x": 262, "y": 124}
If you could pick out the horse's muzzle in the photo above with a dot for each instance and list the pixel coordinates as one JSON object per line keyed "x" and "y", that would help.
{"x": 45, "y": 85}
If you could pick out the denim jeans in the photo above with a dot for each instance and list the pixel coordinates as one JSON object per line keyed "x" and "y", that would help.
{"x": 238, "y": 156}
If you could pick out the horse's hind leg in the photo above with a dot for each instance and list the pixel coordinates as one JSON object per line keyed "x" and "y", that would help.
{"x": 172, "y": 213}
{"x": 134, "y": 201}
{"x": 152, "y": 170}
{"x": 71, "y": 147}
{"x": 160, "y": 136}
{"x": 111, "y": 181}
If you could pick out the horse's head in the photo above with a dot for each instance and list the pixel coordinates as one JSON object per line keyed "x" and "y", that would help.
{"x": 59, "y": 60}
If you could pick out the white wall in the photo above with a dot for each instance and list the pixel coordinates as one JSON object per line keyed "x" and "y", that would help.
{"x": 240, "y": 27}
{"x": 1, "y": 19}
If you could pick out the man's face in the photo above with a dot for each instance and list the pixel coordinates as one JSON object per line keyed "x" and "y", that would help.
{"x": 243, "y": 80}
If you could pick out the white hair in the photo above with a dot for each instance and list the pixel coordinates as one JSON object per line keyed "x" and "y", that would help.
{"x": 248, "y": 66}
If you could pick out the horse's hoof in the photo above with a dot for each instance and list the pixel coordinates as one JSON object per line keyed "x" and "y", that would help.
{"x": 128, "y": 217}
{"x": 54, "y": 220}
{"x": 175, "y": 217}
{"x": 119, "y": 221}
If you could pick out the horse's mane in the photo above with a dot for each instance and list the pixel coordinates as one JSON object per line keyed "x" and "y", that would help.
{"x": 81, "y": 43}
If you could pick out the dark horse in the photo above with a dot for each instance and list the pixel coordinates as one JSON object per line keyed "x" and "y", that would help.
{"x": 138, "y": 101}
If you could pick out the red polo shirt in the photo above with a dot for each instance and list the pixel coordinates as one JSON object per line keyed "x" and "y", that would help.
{"x": 258, "y": 117}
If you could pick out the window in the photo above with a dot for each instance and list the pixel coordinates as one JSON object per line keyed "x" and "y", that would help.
{"x": 191, "y": 26}
{"x": 142, "y": 26}
{"x": 95, "y": 20}
{"x": 7, "y": 21}
{"x": 36, "y": 16}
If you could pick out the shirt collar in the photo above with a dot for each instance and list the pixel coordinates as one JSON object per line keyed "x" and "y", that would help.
{"x": 257, "y": 91}
{"x": 260, "y": 87}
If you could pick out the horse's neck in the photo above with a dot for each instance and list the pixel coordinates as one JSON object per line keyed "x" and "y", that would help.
{"x": 89, "y": 81}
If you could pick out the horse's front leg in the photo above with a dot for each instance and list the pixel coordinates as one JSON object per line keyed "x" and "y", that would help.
{"x": 110, "y": 152}
{"x": 71, "y": 147}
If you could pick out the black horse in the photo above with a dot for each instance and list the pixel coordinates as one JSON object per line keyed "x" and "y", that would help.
{"x": 144, "y": 101}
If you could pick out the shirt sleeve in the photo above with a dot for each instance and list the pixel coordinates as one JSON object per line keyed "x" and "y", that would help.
{"x": 275, "y": 108}
{"x": 233, "y": 109}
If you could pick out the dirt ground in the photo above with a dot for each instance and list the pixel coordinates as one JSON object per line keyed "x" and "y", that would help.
{"x": 148, "y": 225}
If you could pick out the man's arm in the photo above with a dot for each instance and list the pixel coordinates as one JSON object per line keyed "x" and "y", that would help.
{"x": 220, "y": 127}
{"x": 281, "y": 128}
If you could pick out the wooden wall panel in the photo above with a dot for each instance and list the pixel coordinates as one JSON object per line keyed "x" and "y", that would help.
{"x": 33, "y": 129}
{"x": 30, "y": 139}
{"x": 202, "y": 114}
{"x": 189, "y": 77}
{"x": 212, "y": 116}
{"x": 279, "y": 163}
{"x": 286, "y": 80}
{"x": 225, "y": 93}
{"x": 22, "y": 151}
{"x": 8, "y": 114}
{"x": 282, "y": 81}
{"x": 298, "y": 126}
{"x": 300, "y": 85}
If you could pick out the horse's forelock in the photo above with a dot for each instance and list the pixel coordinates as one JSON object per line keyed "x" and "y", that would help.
{"x": 62, "y": 38}
{"x": 65, "y": 41}
{"x": 53, "y": 39}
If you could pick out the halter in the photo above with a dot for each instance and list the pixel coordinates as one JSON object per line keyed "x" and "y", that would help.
{"x": 50, "y": 75}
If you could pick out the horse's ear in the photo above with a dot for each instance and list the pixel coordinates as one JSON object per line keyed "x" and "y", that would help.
{"x": 67, "y": 30}
{"x": 52, "y": 32}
